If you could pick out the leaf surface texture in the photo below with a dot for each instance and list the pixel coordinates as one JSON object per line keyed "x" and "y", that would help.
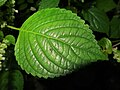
{"x": 54, "y": 42}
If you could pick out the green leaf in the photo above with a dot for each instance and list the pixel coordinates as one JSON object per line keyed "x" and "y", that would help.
{"x": 105, "y": 5}
{"x": 11, "y": 80}
{"x": 23, "y": 6}
{"x": 54, "y": 42}
{"x": 48, "y": 4}
{"x": 1, "y": 35}
{"x": 11, "y": 39}
{"x": 2, "y": 2}
{"x": 20, "y": 2}
{"x": 106, "y": 44}
{"x": 98, "y": 20}
{"x": 115, "y": 27}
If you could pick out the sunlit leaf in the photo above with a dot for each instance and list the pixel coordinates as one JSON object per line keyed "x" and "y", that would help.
{"x": 54, "y": 42}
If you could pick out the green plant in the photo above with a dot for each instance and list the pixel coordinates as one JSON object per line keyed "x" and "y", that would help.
{"x": 54, "y": 42}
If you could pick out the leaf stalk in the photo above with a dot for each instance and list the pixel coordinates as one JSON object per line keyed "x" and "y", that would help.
{"x": 13, "y": 27}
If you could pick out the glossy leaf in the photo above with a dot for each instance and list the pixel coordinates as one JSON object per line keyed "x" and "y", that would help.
{"x": 98, "y": 20}
{"x": 11, "y": 80}
{"x": 2, "y": 2}
{"x": 115, "y": 27}
{"x": 54, "y": 42}
{"x": 48, "y": 4}
{"x": 105, "y": 5}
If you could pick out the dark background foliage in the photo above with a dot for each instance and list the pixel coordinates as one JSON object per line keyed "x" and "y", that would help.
{"x": 100, "y": 75}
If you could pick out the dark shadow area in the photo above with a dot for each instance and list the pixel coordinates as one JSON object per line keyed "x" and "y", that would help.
{"x": 101, "y": 75}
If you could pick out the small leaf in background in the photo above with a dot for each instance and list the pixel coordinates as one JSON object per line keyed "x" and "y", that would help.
{"x": 82, "y": 1}
{"x": 9, "y": 39}
{"x": 98, "y": 20}
{"x": 105, "y": 5}
{"x": 2, "y": 2}
{"x": 54, "y": 42}
{"x": 106, "y": 45}
{"x": 30, "y": 1}
{"x": 3, "y": 25}
{"x": 23, "y": 6}
{"x": 20, "y": 2}
{"x": 4, "y": 80}
{"x": 116, "y": 53}
{"x": 115, "y": 27}
{"x": 73, "y": 9}
{"x": 16, "y": 80}
{"x": 3, "y": 45}
{"x": 1, "y": 35}
{"x": 11, "y": 80}
{"x": 48, "y": 4}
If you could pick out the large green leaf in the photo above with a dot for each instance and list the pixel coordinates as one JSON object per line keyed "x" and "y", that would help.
{"x": 48, "y": 4}
{"x": 11, "y": 80}
{"x": 98, "y": 20}
{"x": 54, "y": 42}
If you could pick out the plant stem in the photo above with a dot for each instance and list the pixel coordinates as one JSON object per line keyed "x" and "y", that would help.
{"x": 13, "y": 27}
{"x": 116, "y": 44}
{"x": 115, "y": 41}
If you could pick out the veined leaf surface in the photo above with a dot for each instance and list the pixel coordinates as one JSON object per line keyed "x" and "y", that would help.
{"x": 98, "y": 20}
{"x": 54, "y": 42}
